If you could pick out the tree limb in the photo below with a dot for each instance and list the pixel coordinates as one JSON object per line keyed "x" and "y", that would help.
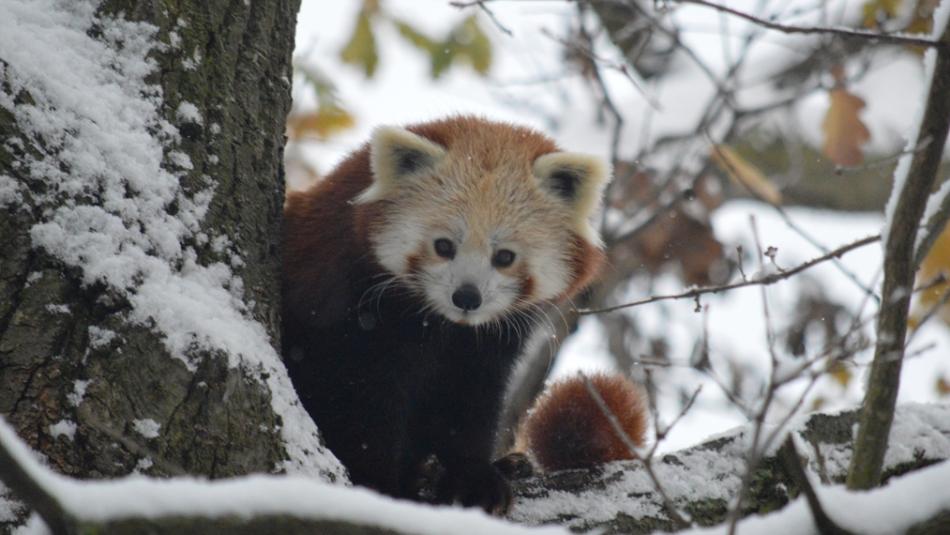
{"x": 899, "y": 270}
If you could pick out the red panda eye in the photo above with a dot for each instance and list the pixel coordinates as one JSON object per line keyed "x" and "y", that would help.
{"x": 444, "y": 248}
{"x": 503, "y": 258}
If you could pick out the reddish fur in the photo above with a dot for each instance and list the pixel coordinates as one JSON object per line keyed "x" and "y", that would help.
{"x": 567, "y": 428}
{"x": 587, "y": 261}
{"x": 322, "y": 219}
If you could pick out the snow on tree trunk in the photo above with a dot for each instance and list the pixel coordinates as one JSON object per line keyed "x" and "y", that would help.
{"x": 141, "y": 189}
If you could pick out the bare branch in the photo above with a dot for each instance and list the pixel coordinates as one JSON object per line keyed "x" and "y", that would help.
{"x": 491, "y": 14}
{"x": 839, "y": 32}
{"x": 764, "y": 280}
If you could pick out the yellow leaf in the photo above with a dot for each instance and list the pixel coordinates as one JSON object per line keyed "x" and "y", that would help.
{"x": 321, "y": 123}
{"x": 360, "y": 50}
{"x": 840, "y": 373}
{"x": 474, "y": 45}
{"x": 845, "y": 134}
{"x": 875, "y": 10}
{"x": 936, "y": 263}
{"x": 745, "y": 174}
{"x": 414, "y": 36}
{"x": 943, "y": 386}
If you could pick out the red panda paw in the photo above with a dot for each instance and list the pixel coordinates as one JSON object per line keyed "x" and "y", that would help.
{"x": 515, "y": 465}
{"x": 477, "y": 484}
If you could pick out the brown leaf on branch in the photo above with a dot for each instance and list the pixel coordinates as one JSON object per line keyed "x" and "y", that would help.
{"x": 845, "y": 134}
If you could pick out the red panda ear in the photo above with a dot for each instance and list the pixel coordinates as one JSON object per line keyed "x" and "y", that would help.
{"x": 577, "y": 179}
{"x": 397, "y": 155}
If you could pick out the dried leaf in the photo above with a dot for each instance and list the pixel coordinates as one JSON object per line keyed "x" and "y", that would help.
{"x": 320, "y": 123}
{"x": 936, "y": 263}
{"x": 360, "y": 50}
{"x": 845, "y": 134}
{"x": 745, "y": 174}
{"x": 840, "y": 373}
{"x": 943, "y": 386}
{"x": 877, "y": 10}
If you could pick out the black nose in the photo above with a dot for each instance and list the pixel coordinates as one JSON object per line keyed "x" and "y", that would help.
{"x": 467, "y": 297}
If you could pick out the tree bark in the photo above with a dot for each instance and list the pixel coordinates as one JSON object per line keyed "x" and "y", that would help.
{"x": 215, "y": 421}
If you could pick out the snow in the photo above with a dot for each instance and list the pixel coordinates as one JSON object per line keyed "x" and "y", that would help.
{"x": 57, "y": 308}
{"x": 65, "y": 428}
{"x": 143, "y": 464}
{"x": 903, "y": 502}
{"x": 99, "y": 337}
{"x": 146, "y": 427}
{"x": 9, "y": 191}
{"x": 189, "y": 113}
{"x": 105, "y": 137}
{"x": 9, "y": 509}
{"x": 79, "y": 392}
{"x": 714, "y": 473}
{"x": 247, "y": 496}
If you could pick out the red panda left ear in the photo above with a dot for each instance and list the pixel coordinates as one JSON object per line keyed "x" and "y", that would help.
{"x": 577, "y": 179}
{"x": 397, "y": 155}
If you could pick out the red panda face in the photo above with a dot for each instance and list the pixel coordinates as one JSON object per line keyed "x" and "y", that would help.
{"x": 478, "y": 228}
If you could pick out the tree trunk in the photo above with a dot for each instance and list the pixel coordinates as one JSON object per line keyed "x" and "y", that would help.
{"x": 59, "y": 364}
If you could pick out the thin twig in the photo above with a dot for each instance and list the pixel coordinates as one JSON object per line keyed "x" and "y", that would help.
{"x": 765, "y": 280}
{"x": 840, "y": 32}
{"x": 678, "y": 520}
{"x": 491, "y": 14}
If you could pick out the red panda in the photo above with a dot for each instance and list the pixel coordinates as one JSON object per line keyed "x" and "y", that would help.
{"x": 567, "y": 428}
{"x": 412, "y": 276}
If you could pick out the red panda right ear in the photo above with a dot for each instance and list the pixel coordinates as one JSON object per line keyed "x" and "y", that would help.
{"x": 397, "y": 155}
{"x": 578, "y": 180}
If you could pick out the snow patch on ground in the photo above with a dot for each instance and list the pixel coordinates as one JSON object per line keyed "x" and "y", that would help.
{"x": 114, "y": 207}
